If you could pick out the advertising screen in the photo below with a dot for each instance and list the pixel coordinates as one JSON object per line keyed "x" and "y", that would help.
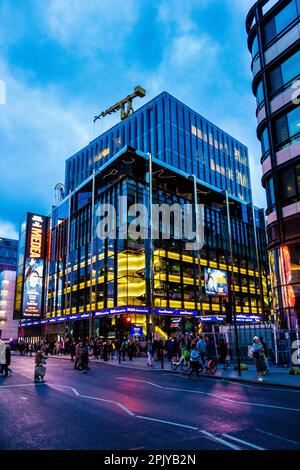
{"x": 215, "y": 282}
{"x": 34, "y": 266}
{"x": 136, "y": 330}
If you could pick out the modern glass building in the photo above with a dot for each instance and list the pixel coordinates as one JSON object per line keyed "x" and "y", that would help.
{"x": 8, "y": 254}
{"x": 8, "y": 264}
{"x": 273, "y": 29}
{"x": 175, "y": 135}
{"x": 164, "y": 153}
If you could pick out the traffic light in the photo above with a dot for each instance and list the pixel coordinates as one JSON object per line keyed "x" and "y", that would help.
{"x": 228, "y": 313}
{"x": 128, "y": 321}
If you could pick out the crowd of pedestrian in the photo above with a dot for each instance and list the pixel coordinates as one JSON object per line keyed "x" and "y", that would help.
{"x": 178, "y": 345}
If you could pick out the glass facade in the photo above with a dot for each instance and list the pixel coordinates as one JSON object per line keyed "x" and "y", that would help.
{"x": 8, "y": 326}
{"x": 92, "y": 279}
{"x": 94, "y": 275}
{"x": 176, "y": 135}
{"x": 8, "y": 254}
{"x": 8, "y": 263}
{"x": 275, "y": 37}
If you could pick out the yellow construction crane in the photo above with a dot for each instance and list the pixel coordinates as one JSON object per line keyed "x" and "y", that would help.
{"x": 125, "y": 105}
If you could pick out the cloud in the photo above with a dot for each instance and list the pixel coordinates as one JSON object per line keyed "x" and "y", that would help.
{"x": 8, "y": 230}
{"x": 88, "y": 27}
{"x": 38, "y": 130}
{"x": 187, "y": 48}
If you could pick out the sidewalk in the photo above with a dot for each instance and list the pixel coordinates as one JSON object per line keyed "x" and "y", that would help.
{"x": 279, "y": 376}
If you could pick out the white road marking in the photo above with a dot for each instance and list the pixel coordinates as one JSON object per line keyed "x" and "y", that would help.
{"x": 130, "y": 413}
{"x": 281, "y": 389}
{"x": 168, "y": 422}
{"x": 219, "y": 397}
{"x": 98, "y": 399}
{"x": 241, "y": 441}
{"x": 65, "y": 386}
{"x": 221, "y": 441}
{"x": 277, "y": 437}
{"x": 141, "y": 381}
{"x": 124, "y": 408}
{"x": 20, "y": 385}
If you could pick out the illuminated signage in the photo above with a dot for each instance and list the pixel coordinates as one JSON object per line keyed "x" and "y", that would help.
{"x": 136, "y": 330}
{"x": 171, "y": 311}
{"x": 215, "y": 282}
{"x": 33, "y": 281}
{"x": 176, "y": 322}
{"x": 211, "y": 318}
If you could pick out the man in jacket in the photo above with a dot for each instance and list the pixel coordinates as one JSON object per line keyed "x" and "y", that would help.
{"x": 2, "y": 355}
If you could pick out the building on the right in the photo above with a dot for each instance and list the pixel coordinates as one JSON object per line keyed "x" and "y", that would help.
{"x": 273, "y": 29}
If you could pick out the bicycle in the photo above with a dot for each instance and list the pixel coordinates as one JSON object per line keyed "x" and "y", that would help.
{"x": 209, "y": 366}
{"x": 183, "y": 363}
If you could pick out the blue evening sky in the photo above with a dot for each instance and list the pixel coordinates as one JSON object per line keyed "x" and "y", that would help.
{"x": 63, "y": 61}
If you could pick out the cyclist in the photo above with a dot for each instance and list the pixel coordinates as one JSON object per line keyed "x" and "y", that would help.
{"x": 194, "y": 361}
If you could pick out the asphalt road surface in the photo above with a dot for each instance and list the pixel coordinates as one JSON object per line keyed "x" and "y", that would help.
{"x": 117, "y": 408}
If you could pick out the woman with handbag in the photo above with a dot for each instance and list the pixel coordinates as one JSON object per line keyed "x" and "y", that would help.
{"x": 40, "y": 369}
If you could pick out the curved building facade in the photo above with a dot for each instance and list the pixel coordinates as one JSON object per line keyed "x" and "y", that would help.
{"x": 273, "y": 29}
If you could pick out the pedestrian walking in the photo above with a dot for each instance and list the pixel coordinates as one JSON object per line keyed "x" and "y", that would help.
{"x": 259, "y": 358}
{"x": 40, "y": 369}
{"x": 201, "y": 347}
{"x": 149, "y": 352}
{"x": 266, "y": 353}
{"x": 77, "y": 354}
{"x": 73, "y": 349}
{"x": 131, "y": 349}
{"x": 123, "y": 349}
{"x": 84, "y": 356}
{"x": 2, "y": 355}
{"x": 195, "y": 359}
{"x": 6, "y": 368}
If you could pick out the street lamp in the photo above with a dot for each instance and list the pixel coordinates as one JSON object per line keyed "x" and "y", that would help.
{"x": 232, "y": 294}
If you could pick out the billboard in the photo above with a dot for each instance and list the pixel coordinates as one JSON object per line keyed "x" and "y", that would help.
{"x": 33, "y": 280}
{"x": 136, "y": 330}
{"x": 215, "y": 282}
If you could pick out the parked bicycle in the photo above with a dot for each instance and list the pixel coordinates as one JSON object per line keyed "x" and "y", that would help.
{"x": 208, "y": 367}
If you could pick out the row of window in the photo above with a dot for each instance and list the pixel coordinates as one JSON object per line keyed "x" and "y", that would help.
{"x": 286, "y": 129}
{"x": 279, "y": 77}
{"x": 176, "y": 135}
{"x": 288, "y": 187}
{"x": 277, "y": 24}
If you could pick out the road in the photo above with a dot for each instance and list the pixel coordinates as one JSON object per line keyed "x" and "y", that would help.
{"x": 115, "y": 408}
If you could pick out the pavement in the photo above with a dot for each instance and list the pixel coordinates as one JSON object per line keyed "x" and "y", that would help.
{"x": 279, "y": 376}
{"x": 117, "y": 408}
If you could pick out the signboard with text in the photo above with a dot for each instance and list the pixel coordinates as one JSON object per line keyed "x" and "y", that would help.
{"x": 34, "y": 265}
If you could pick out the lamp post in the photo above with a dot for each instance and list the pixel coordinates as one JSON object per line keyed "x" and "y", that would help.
{"x": 92, "y": 253}
{"x": 197, "y": 236}
{"x": 151, "y": 283}
{"x": 232, "y": 297}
